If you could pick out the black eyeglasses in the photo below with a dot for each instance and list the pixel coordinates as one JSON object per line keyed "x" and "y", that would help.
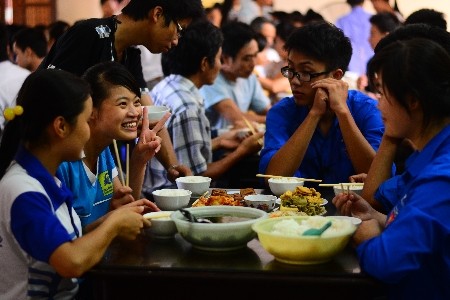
{"x": 303, "y": 77}
{"x": 179, "y": 29}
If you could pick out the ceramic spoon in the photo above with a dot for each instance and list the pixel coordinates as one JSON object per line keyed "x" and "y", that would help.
{"x": 317, "y": 231}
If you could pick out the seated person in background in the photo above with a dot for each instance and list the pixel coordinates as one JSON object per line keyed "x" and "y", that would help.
{"x": 30, "y": 48}
{"x": 236, "y": 92}
{"x": 324, "y": 131}
{"x": 266, "y": 28}
{"x": 42, "y": 246}
{"x": 192, "y": 64}
{"x": 427, "y": 16}
{"x": 94, "y": 179}
{"x": 54, "y": 31}
{"x": 273, "y": 81}
{"x": 381, "y": 25}
{"x": 408, "y": 249}
{"x": 11, "y": 79}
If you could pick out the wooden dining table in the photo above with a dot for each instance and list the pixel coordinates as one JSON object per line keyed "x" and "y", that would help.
{"x": 148, "y": 266}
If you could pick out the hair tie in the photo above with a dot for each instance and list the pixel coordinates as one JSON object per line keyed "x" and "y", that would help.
{"x": 11, "y": 112}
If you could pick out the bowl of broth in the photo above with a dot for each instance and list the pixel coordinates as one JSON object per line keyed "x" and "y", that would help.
{"x": 230, "y": 227}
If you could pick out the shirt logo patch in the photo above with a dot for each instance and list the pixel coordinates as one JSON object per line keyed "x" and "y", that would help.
{"x": 106, "y": 183}
{"x": 395, "y": 211}
{"x": 103, "y": 31}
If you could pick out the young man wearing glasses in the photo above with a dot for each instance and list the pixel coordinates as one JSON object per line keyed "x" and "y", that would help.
{"x": 324, "y": 131}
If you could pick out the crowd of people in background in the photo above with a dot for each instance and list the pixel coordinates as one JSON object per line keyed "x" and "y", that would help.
{"x": 343, "y": 101}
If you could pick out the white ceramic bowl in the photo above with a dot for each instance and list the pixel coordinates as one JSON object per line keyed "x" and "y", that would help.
{"x": 162, "y": 225}
{"x": 353, "y": 188}
{"x": 286, "y": 243}
{"x": 171, "y": 199}
{"x": 263, "y": 202}
{"x": 155, "y": 113}
{"x": 355, "y": 221}
{"x": 279, "y": 186}
{"x": 198, "y": 185}
{"x": 219, "y": 236}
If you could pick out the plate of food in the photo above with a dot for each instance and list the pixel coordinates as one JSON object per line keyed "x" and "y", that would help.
{"x": 324, "y": 201}
{"x": 303, "y": 199}
{"x": 224, "y": 197}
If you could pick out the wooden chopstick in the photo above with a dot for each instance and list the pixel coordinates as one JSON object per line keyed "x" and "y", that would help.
{"x": 342, "y": 184}
{"x": 127, "y": 181}
{"x": 252, "y": 129}
{"x": 299, "y": 178}
{"x": 116, "y": 150}
{"x": 249, "y": 125}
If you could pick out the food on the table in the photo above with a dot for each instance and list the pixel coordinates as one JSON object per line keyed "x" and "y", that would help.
{"x": 303, "y": 199}
{"x": 221, "y": 197}
{"x": 291, "y": 227}
{"x": 286, "y": 213}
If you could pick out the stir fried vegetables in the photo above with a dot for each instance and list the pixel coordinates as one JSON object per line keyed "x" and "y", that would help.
{"x": 304, "y": 199}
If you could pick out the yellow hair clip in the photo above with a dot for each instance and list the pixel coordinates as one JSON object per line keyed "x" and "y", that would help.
{"x": 10, "y": 112}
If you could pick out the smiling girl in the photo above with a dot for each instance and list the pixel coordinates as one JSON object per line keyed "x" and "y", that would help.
{"x": 116, "y": 114}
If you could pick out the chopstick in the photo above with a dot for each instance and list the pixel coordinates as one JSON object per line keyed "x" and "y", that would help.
{"x": 127, "y": 181}
{"x": 157, "y": 215}
{"x": 252, "y": 129}
{"x": 116, "y": 150}
{"x": 342, "y": 184}
{"x": 299, "y": 178}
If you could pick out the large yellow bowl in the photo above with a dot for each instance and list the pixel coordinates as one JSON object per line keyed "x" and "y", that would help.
{"x": 303, "y": 249}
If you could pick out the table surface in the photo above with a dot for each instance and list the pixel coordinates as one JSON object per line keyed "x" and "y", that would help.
{"x": 129, "y": 267}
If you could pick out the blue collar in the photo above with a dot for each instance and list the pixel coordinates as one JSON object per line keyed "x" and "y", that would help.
{"x": 418, "y": 160}
{"x": 58, "y": 195}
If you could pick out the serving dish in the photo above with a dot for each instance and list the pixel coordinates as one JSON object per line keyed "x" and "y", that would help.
{"x": 232, "y": 228}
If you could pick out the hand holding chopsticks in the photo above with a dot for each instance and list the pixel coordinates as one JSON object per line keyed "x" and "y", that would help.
{"x": 252, "y": 129}
{"x": 298, "y": 178}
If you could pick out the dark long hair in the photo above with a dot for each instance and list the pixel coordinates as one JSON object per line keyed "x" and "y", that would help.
{"x": 415, "y": 69}
{"x": 44, "y": 95}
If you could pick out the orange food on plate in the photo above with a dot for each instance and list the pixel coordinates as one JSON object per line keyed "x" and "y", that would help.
{"x": 221, "y": 197}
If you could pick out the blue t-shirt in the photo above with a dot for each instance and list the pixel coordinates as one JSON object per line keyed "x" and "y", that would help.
{"x": 412, "y": 254}
{"x": 326, "y": 157}
{"x": 247, "y": 93}
{"x": 92, "y": 193}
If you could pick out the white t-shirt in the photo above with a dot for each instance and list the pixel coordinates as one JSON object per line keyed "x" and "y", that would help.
{"x": 11, "y": 80}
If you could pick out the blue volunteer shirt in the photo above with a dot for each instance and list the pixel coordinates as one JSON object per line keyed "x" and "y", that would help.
{"x": 412, "y": 254}
{"x": 326, "y": 157}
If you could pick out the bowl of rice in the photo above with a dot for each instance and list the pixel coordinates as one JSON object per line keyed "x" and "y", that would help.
{"x": 198, "y": 185}
{"x": 171, "y": 199}
{"x": 280, "y": 185}
{"x": 283, "y": 238}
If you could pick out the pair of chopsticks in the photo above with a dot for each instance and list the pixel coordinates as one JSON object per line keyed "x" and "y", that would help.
{"x": 252, "y": 129}
{"x": 343, "y": 184}
{"x": 125, "y": 182}
{"x": 299, "y": 178}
